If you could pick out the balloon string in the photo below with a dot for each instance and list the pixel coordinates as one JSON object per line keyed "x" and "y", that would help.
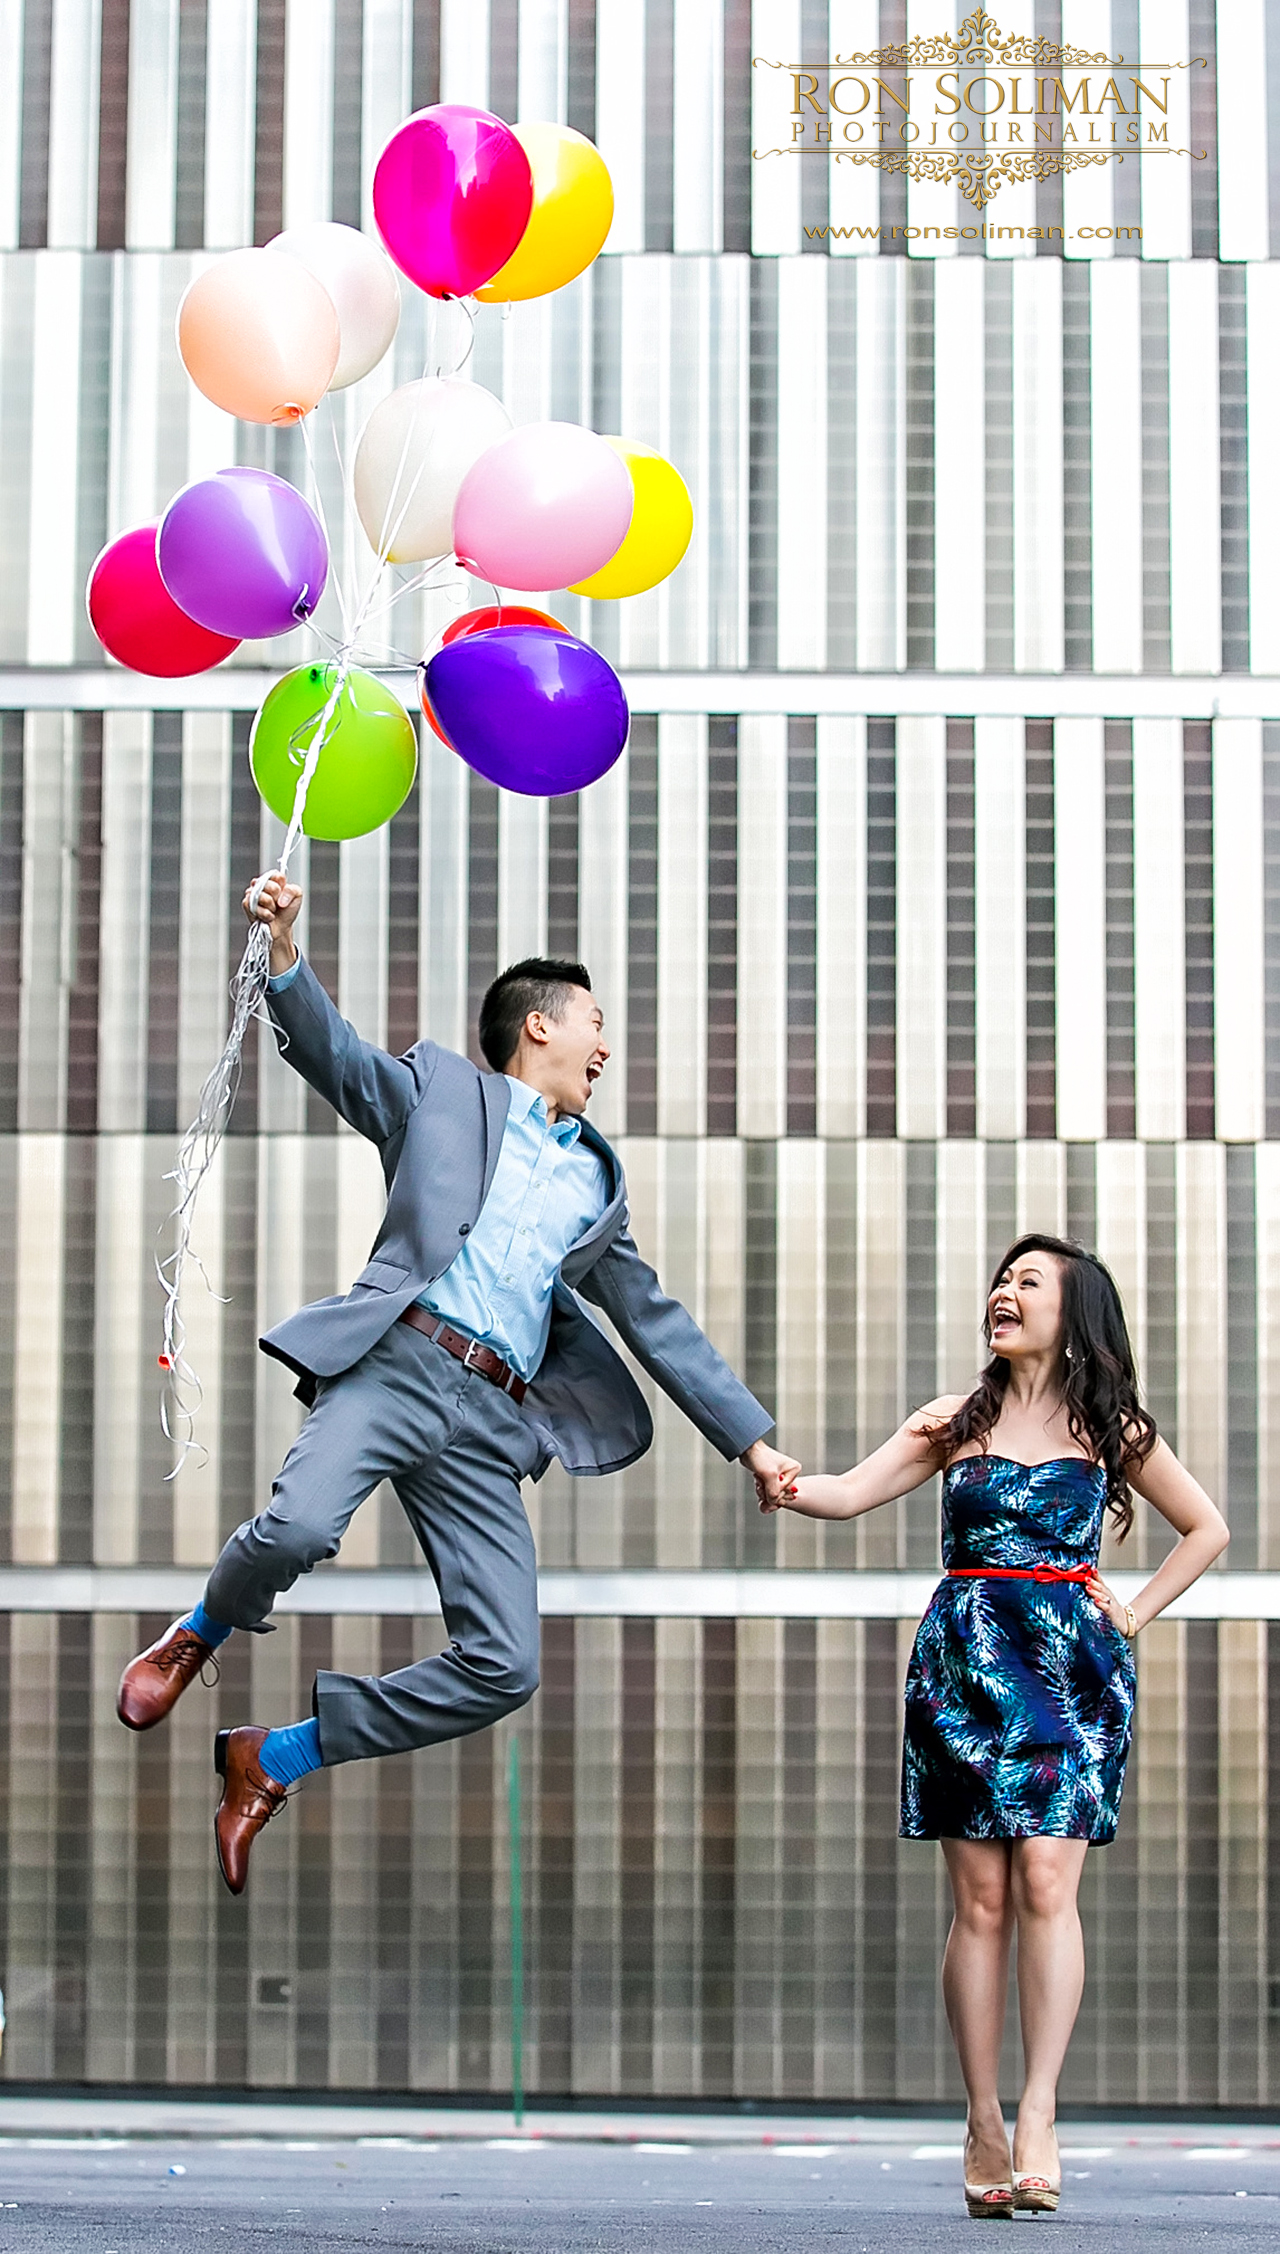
{"x": 181, "y": 1390}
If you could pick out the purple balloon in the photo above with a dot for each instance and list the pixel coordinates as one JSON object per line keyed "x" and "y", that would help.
{"x": 533, "y": 711}
{"x": 242, "y": 553}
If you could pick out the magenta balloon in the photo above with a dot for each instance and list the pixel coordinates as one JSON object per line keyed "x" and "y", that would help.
{"x": 452, "y": 195}
{"x": 536, "y": 712}
{"x": 242, "y": 553}
{"x": 539, "y": 503}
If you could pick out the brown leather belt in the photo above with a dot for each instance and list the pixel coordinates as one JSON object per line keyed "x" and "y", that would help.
{"x": 470, "y": 1351}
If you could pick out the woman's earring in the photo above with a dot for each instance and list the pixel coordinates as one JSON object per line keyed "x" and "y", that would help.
{"x": 1070, "y": 1355}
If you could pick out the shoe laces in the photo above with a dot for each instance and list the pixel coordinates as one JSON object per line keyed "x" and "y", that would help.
{"x": 176, "y": 1654}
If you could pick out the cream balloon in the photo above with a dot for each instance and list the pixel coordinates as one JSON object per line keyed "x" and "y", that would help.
{"x": 413, "y": 455}
{"x": 258, "y": 335}
{"x": 361, "y": 280}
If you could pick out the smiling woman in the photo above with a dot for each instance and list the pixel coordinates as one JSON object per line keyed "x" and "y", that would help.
{"x": 1020, "y": 1690}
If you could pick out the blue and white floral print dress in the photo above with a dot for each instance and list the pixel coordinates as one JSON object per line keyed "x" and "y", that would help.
{"x": 1019, "y": 1696}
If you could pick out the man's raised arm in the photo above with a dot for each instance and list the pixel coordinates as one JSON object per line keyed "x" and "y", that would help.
{"x": 373, "y": 1091}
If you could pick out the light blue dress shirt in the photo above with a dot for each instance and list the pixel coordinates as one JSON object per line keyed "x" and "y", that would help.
{"x": 547, "y": 1191}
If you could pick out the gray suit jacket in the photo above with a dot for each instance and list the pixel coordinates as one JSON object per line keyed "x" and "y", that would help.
{"x": 438, "y": 1122}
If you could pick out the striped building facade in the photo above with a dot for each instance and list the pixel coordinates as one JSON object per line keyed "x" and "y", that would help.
{"x": 936, "y": 896}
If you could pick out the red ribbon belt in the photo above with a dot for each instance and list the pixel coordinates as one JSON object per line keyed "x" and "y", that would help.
{"x": 1021, "y": 1572}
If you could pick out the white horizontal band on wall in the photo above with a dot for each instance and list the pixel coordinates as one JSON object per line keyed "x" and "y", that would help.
{"x": 636, "y": 1595}
{"x": 1118, "y": 696}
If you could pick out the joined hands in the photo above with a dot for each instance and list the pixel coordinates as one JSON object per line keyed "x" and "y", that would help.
{"x": 773, "y": 1473}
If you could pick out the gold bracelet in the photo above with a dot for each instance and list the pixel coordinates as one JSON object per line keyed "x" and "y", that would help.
{"x": 1130, "y": 1624}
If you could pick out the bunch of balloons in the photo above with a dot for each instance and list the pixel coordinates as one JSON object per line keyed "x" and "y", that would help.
{"x": 468, "y": 208}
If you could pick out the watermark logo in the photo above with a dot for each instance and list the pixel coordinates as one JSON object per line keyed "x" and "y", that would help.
{"x": 982, "y": 107}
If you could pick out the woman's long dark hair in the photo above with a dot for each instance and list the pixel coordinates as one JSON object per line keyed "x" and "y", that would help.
{"x": 1097, "y": 1376}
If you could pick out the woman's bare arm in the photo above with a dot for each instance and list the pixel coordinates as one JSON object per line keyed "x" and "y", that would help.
{"x": 1169, "y": 1487}
{"x": 903, "y": 1462}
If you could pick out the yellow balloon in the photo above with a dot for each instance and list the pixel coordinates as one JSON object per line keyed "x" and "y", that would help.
{"x": 661, "y": 527}
{"x": 572, "y": 213}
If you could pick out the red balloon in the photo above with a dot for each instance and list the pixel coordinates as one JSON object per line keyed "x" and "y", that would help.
{"x": 499, "y": 614}
{"x": 136, "y": 618}
{"x": 452, "y": 194}
{"x": 428, "y": 714}
{"x": 476, "y": 622}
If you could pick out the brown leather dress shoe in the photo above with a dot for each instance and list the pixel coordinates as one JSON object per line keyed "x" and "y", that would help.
{"x": 250, "y": 1798}
{"x": 154, "y": 1682}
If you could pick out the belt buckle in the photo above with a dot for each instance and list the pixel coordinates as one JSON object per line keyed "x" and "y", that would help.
{"x": 474, "y": 1346}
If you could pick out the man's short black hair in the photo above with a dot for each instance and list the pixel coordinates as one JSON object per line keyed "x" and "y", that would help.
{"x": 540, "y": 982}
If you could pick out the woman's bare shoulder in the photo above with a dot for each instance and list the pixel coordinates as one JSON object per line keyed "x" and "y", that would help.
{"x": 934, "y": 1414}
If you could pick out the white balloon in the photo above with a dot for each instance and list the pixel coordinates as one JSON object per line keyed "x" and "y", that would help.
{"x": 361, "y": 280}
{"x": 413, "y": 455}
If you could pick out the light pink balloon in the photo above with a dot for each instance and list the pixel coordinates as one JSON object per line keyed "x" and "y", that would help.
{"x": 548, "y": 505}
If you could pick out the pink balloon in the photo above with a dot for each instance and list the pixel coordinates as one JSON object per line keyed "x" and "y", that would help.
{"x": 538, "y": 503}
{"x": 452, "y": 195}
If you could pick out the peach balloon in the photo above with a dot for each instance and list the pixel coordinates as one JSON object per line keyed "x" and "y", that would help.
{"x": 259, "y": 336}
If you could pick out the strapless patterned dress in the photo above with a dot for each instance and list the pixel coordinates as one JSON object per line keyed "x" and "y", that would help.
{"x": 1019, "y": 1698}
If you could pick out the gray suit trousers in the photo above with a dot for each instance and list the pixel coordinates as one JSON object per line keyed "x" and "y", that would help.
{"x": 455, "y": 1449}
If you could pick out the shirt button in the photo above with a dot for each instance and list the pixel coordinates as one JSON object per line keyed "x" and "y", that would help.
{"x": 465, "y": 1229}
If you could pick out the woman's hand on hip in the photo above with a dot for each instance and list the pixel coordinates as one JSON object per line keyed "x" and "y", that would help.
{"x": 1108, "y": 1602}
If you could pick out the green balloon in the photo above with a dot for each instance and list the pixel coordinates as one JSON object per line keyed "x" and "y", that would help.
{"x": 365, "y": 771}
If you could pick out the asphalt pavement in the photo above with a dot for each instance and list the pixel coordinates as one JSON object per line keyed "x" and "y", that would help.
{"x": 863, "y": 2186}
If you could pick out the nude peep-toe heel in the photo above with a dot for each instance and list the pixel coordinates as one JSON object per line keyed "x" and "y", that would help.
{"x": 992, "y": 2203}
{"x": 1037, "y": 2195}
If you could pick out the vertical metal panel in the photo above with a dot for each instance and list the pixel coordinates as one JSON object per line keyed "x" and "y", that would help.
{"x": 153, "y": 124}
{"x": 802, "y": 463}
{"x": 308, "y": 111}
{"x": 1088, "y": 193}
{"x": 543, "y": 59}
{"x": 1000, "y": 844}
{"x": 1267, "y": 1193}
{"x": 1081, "y": 929}
{"x": 464, "y": 52}
{"x": 1194, "y": 494}
{"x": 680, "y": 1255}
{"x": 802, "y": 1406}
{"x": 1159, "y": 938}
{"x": 961, "y": 1263}
{"x": 762, "y": 950}
{"x": 73, "y": 125}
{"x": 842, "y": 919}
{"x": 698, "y": 125}
{"x": 1242, "y": 1898}
{"x": 929, "y": 203}
{"x": 776, "y": 180}
{"x": 620, "y": 118}
{"x": 602, "y": 928}
{"x": 1166, "y": 181}
{"x": 1037, "y": 468}
{"x": 1202, "y": 1344}
{"x": 853, "y": 190}
{"x": 599, "y": 1721}
{"x": 1243, "y": 227}
{"x": 1116, "y": 431}
{"x": 880, "y": 472}
{"x": 1238, "y": 931}
{"x": 230, "y": 118}
{"x": 921, "y": 927}
{"x": 682, "y": 829}
{"x": 54, "y": 594}
{"x": 959, "y": 467}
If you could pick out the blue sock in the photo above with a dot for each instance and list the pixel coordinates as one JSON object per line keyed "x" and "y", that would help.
{"x": 211, "y": 1632}
{"x": 289, "y": 1755}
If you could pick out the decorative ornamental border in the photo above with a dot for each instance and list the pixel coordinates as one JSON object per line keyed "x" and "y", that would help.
{"x": 980, "y": 175}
